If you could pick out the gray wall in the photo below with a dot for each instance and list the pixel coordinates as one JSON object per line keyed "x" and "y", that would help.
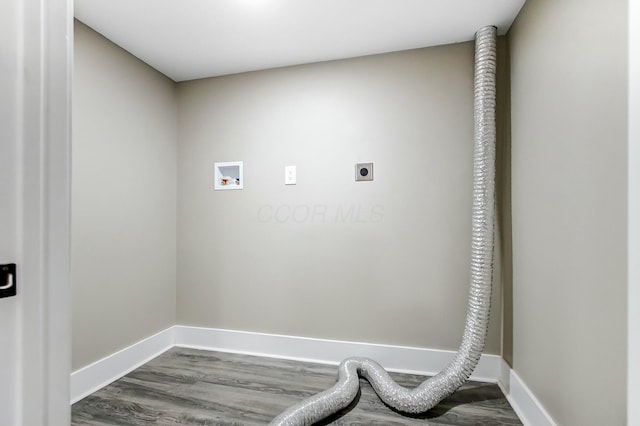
{"x": 569, "y": 165}
{"x": 281, "y": 259}
{"x": 503, "y": 198}
{"x": 124, "y": 199}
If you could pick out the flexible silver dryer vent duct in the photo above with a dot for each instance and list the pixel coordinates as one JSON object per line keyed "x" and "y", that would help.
{"x": 438, "y": 387}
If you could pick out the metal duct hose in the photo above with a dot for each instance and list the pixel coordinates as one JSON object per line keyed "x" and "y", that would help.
{"x": 435, "y": 389}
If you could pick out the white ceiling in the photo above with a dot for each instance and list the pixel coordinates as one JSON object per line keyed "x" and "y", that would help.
{"x": 189, "y": 39}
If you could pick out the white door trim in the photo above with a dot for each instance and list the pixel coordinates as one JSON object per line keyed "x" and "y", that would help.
{"x": 10, "y": 28}
{"x": 633, "y": 296}
{"x": 44, "y": 254}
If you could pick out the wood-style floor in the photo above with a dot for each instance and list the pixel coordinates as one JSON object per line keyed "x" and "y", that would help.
{"x": 194, "y": 387}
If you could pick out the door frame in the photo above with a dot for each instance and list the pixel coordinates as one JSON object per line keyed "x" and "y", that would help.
{"x": 45, "y": 31}
{"x": 633, "y": 252}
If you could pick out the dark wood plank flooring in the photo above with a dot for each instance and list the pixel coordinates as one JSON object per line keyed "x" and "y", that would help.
{"x": 195, "y": 387}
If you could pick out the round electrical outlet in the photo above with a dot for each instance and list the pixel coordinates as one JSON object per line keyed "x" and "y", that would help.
{"x": 364, "y": 171}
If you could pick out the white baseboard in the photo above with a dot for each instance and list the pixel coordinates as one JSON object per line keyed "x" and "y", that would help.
{"x": 491, "y": 368}
{"x": 108, "y": 369}
{"x": 525, "y": 404}
{"x": 394, "y": 358}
